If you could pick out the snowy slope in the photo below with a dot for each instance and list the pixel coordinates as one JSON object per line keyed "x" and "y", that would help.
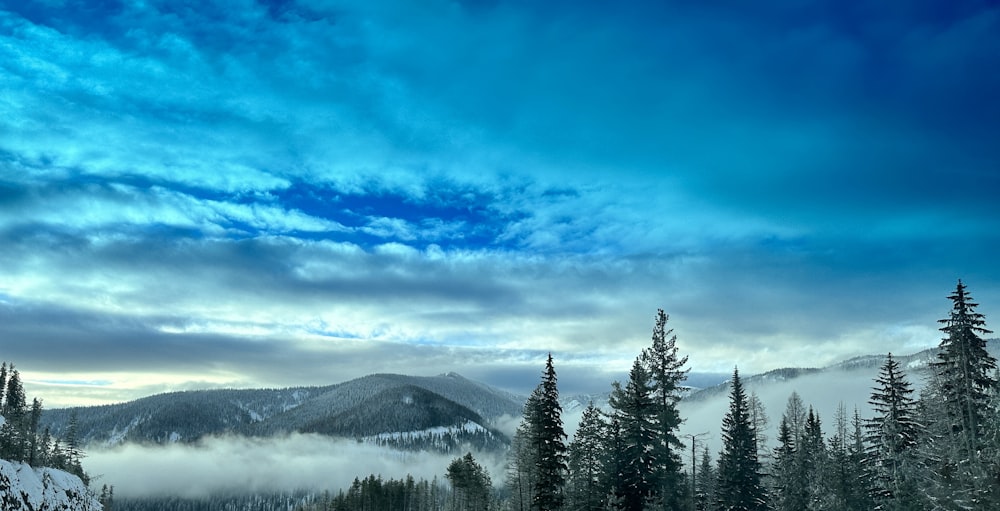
{"x": 23, "y": 488}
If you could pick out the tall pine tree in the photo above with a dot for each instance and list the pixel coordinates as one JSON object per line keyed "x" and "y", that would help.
{"x": 666, "y": 374}
{"x": 634, "y": 408}
{"x": 965, "y": 368}
{"x": 550, "y": 444}
{"x": 739, "y": 487}
{"x": 957, "y": 400}
{"x": 891, "y": 437}
{"x": 585, "y": 487}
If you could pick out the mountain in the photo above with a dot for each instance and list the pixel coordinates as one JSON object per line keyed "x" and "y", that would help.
{"x": 365, "y": 407}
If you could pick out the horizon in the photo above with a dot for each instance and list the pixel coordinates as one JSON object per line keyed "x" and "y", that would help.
{"x": 281, "y": 193}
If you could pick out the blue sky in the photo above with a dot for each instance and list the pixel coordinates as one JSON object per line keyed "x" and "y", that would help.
{"x": 296, "y": 193}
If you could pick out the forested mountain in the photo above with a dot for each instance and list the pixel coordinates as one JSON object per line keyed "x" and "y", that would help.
{"x": 368, "y": 406}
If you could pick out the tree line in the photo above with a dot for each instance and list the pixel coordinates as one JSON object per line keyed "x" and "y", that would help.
{"x": 21, "y": 438}
{"x": 938, "y": 451}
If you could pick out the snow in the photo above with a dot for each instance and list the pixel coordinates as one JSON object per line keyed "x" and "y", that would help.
{"x": 23, "y": 488}
{"x": 468, "y": 427}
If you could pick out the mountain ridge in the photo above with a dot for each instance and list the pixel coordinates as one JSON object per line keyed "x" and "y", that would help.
{"x": 189, "y": 416}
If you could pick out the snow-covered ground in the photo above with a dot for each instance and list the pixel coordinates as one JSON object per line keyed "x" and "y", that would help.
{"x": 23, "y": 488}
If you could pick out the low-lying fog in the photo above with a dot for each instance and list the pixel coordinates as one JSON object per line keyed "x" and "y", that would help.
{"x": 296, "y": 461}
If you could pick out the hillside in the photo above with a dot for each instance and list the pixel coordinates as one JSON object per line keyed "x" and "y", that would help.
{"x": 23, "y": 488}
{"x": 916, "y": 365}
{"x": 440, "y": 401}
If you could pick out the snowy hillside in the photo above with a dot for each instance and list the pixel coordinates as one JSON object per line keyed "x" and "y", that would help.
{"x": 361, "y": 407}
{"x": 23, "y": 488}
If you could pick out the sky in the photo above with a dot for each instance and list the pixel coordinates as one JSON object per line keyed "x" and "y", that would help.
{"x": 244, "y": 194}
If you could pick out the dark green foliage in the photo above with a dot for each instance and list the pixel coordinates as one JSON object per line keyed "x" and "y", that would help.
{"x": 635, "y": 412}
{"x": 705, "y": 483}
{"x": 549, "y": 443}
{"x": 407, "y": 412}
{"x": 739, "y": 486}
{"x": 471, "y": 485}
{"x": 666, "y": 374}
{"x": 585, "y": 488}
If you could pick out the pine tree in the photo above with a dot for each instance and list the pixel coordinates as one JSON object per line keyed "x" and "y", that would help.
{"x": 585, "y": 488}
{"x": 790, "y": 480}
{"x": 550, "y": 446}
{"x": 812, "y": 459}
{"x": 953, "y": 407}
{"x": 14, "y": 441}
{"x": 965, "y": 368}
{"x": 666, "y": 373}
{"x": 891, "y": 436}
{"x": 785, "y": 485}
{"x": 470, "y": 484}
{"x": 32, "y": 432}
{"x": 635, "y": 411}
{"x": 3, "y": 385}
{"x": 846, "y": 485}
{"x": 739, "y": 487}
{"x": 704, "y": 497}
{"x": 860, "y": 496}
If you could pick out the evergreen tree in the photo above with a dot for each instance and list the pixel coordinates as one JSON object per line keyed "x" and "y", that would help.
{"x": 32, "y": 432}
{"x": 549, "y": 442}
{"x": 14, "y": 440}
{"x": 812, "y": 459}
{"x": 3, "y": 385}
{"x": 891, "y": 436}
{"x": 470, "y": 484}
{"x": 666, "y": 373}
{"x": 860, "y": 496}
{"x": 954, "y": 404}
{"x": 635, "y": 410}
{"x": 585, "y": 488}
{"x": 845, "y": 488}
{"x": 789, "y": 478}
{"x": 704, "y": 497}
{"x": 965, "y": 369}
{"x": 788, "y": 493}
{"x": 739, "y": 486}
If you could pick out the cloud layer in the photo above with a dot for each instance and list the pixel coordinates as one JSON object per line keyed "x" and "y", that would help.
{"x": 302, "y": 192}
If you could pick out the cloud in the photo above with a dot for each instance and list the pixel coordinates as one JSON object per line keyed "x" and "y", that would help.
{"x": 253, "y": 465}
{"x": 787, "y": 179}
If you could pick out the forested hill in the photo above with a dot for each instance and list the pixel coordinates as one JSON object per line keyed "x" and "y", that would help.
{"x": 380, "y": 404}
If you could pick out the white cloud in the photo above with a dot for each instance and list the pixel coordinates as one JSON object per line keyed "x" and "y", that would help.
{"x": 246, "y": 465}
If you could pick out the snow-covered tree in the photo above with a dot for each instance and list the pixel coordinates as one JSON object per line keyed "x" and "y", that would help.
{"x": 965, "y": 369}
{"x": 891, "y": 437}
{"x": 954, "y": 407}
